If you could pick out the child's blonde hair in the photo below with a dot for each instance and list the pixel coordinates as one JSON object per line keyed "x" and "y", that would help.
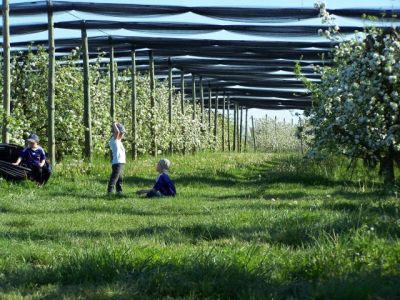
{"x": 164, "y": 164}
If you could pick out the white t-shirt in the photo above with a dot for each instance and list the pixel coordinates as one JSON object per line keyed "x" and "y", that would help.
{"x": 118, "y": 151}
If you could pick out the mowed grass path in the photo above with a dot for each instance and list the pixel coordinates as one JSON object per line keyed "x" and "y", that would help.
{"x": 249, "y": 226}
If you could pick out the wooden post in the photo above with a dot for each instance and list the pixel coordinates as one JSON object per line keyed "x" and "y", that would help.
{"x": 194, "y": 102}
{"x": 51, "y": 86}
{"x": 237, "y": 127}
{"x": 216, "y": 120}
{"x": 209, "y": 107}
{"x": 87, "y": 114}
{"x": 112, "y": 81}
{"x": 275, "y": 132}
{"x": 234, "y": 127}
{"x": 229, "y": 125}
{"x": 134, "y": 105}
{"x": 194, "y": 96}
{"x": 241, "y": 129}
{"x": 6, "y": 71}
{"x": 254, "y": 133}
{"x": 152, "y": 104}
{"x": 182, "y": 92}
{"x": 245, "y": 131}
{"x": 223, "y": 124}
{"x": 301, "y": 138}
{"x": 201, "y": 101}
{"x": 266, "y": 130}
{"x": 183, "y": 106}
{"x": 170, "y": 100}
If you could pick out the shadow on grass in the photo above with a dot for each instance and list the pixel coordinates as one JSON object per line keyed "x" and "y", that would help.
{"x": 120, "y": 274}
{"x": 293, "y": 194}
{"x": 302, "y": 230}
{"x": 367, "y": 203}
{"x": 146, "y": 276}
{"x": 135, "y": 181}
{"x": 117, "y": 210}
{"x": 358, "y": 196}
{"x": 269, "y": 177}
{"x": 259, "y": 195}
{"x": 281, "y": 232}
{"x": 187, "y": 180}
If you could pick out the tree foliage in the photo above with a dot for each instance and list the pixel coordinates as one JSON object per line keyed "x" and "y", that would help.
{"x": 275, "y": 136}
{"x": 356, "y": 106}
{"x": 29, "y": 109}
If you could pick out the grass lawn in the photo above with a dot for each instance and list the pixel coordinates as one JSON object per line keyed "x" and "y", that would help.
{"x": 249, "y": 226}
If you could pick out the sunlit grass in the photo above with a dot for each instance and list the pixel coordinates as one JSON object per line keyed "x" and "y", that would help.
{"x": 242, "y": 226}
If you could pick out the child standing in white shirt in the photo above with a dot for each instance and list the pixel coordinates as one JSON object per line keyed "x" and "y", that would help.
{"x": 118, "y": 158}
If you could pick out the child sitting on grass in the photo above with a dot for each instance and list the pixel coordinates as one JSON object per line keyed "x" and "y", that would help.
{"x": 163, "y": 186}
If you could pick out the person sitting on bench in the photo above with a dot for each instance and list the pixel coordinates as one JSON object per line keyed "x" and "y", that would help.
{"x": 33, "y": 157}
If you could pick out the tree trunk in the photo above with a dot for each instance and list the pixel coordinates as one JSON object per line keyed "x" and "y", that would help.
{"x": 387, "y": 167}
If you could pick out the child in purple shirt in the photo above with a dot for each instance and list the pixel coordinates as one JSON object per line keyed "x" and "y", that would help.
{"x": 163, "y": 186}
{"x": 33, "y": 157}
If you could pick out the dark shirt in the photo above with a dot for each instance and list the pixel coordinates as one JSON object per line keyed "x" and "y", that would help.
{"x": 164, "y": 185}
{"x": 33, "y": 157}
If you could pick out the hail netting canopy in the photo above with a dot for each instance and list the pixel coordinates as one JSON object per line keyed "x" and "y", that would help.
{"x": 245, "y": 49}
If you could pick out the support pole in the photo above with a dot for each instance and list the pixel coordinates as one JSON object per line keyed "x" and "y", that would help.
{"x": 209, "y": 107}
{"x": 223, "y": 124}
{"x": 182, "y": 92}
{"x": 51, "y": 87}
{"x": 134, "y": 105}
{"x": 216, "y": 120}
{"x": 254, "y": 133}
{"x": 301, "y": 138}
{"x": 275, "y": 136}
{"x": 6, "y": 71}
{"x": 229, "y": 125}
{"x": 234, "y": 126}
{"x": 183, "y": 106}
{"x": 194, "y": 96}
{"x": 245, "y": 131}
{"x": 170, "y": 100}
{"x": 87, "y": 114}
{"x": 112, "y": 82}
{"x": 201, "y": 101}
{"x": 152, "y": 104}
{"x": 241, "y": 129}
{"x": 194, "y": 103}
{"x": 237, "y": 129}
{"x": 266, "y": 128}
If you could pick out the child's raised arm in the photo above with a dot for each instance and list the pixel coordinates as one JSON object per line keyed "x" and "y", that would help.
{"x": 116, "y": 132}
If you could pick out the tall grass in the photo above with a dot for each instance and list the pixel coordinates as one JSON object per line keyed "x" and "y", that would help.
{"x": 249, "y": 226}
